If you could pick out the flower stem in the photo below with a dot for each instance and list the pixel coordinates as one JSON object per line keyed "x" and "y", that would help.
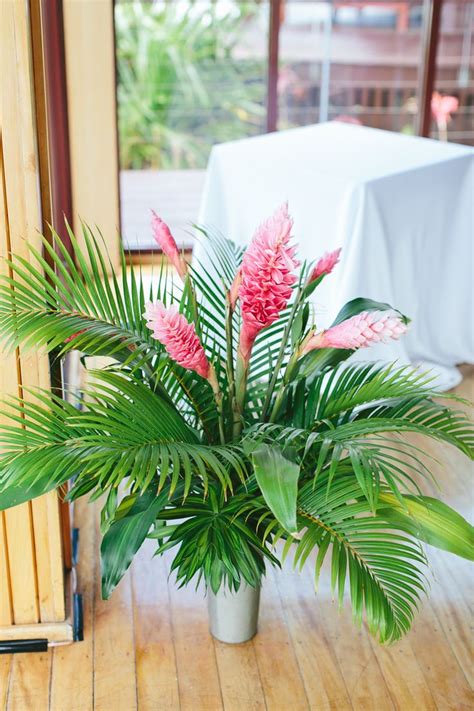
{"x": 241, "y": 375}
{"x": 214, "y": 383}
{"x": 230, "y": 355}
{"x": 281, "y": 353}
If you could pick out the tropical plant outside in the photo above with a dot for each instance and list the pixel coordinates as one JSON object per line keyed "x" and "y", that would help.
{"x": 228, "y": 422}
{"x": 173, "y": 60}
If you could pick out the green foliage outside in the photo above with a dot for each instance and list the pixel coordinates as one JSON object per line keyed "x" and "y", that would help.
{"x": 181, "y": 87}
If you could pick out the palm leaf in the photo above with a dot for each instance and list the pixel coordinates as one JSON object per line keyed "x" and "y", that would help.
{"x": 431, "y": 521}
{"x": 380, "y": 564}
{"x": 124, "y": 537}
{"x": 126, "y": 432}
{"x": 74, "y": 304}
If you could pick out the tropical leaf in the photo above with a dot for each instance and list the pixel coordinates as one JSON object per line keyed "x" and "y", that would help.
{"x": 124, "y": 537}
{"x": 217, "y": 540}
{"x": 378, "y": 562}
{"x": 126, "y": 432}
{"x": 356, "y": 306}
{"x": 35, "y": 456}
{"x": 277, "y": 478}
{"x": 430, "y": 520}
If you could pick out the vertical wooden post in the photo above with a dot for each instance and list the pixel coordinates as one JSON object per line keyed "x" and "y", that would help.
{"x": 273, "y": 59}
{"x": 32, "y": 583}
{"x": 429, "y": 50}
{"x": 90, "y": 71}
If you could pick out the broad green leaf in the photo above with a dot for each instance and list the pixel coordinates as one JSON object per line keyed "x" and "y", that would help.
{"x": 277, "y": 478}
{"x": 125, "y": 536}
{"x": 356, "y": 306}
{"x": 16, "y": 495}
{"x": 431, "y": 521}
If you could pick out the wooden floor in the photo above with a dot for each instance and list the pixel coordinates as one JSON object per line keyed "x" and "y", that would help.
{"x": 149, "y": 648}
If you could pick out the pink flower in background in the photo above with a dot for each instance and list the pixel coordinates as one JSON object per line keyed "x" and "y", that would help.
{"x": 166, "y": 241}
{"x": 75, "y": 335}
{"x": 178, "y": 337}
{"x": 359, "y": 331}
{"x": 266, "y": 277}
{"x": 325, "y": 265}
{"x": 442, "y": 107}
{"x": 348, "y": 119}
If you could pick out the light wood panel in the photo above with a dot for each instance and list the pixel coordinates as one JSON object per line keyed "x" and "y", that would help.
{"x": 90, "y": 73}
{"x": 31, "y": 540}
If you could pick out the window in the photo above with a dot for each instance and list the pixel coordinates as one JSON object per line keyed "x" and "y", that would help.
{"x": 192, "y": 73}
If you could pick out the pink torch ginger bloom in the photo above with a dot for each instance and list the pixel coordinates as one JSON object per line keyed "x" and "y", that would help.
{"x": 178, "y": 337}
{"x": 442, "y": 107}
{"x": 359, "y": 331}
{"x": 74, "y": 335}
{"x": 166, "y": 241}
{"x": 266, "y": 277}
{"x": 325, "y": 265}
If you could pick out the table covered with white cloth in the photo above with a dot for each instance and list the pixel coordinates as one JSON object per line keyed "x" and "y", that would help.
{"x": 400, "y": 207}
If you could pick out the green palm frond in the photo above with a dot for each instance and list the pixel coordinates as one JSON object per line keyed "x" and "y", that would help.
{"x": 35, "y": 456}
{"x": 216, "y": 539}
{"x": 287, "y": 446}
{"x": 74, "y": 303}
{"x": 344, "y": 389}
{"x": 127, "y": 432}
{"x": 146, "y": 437}
{"x": 418, "y": 415}
{"x": 380, "y": 564}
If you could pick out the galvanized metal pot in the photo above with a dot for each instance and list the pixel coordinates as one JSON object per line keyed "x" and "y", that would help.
{"x": 233, "y": 616}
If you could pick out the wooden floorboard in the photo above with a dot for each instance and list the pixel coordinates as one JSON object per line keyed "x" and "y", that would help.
{"x": 148, "y": 647}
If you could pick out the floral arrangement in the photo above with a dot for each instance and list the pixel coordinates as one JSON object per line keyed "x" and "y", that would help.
{"x": 226, "y": 425}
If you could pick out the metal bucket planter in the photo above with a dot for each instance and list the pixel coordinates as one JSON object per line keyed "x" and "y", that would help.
{"x": 233, "y": 616}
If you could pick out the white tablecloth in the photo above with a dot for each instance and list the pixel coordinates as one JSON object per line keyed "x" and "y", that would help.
{"x": 400, "y": 207}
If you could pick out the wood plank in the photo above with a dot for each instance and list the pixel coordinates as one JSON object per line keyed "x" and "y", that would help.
{"x": 451, "y": 600}
{"x": 323, "y": 680}
{"x": 48, "y": 552}
{"x": 359, "y": 666}
{"x": 21, "y": 557}
{"x": 403, "y": 676}
{"x": 198, "y": 677}
{"x": 5, "y": 668}
{"x": 114, "y": 647}
{"x": 17, "y": 540}
{"x": 29, "y": 682}
{"x": 239, "y": 677}
{"x": 72, "y": 679}
{"x": 90, "y": 74}
{"x": 6, "y": 612}
{"x": 21, "y": 218}
{"x": 440, "y": 667}
{"x": 282, "y": 682}
{"x": 157, "y": 680}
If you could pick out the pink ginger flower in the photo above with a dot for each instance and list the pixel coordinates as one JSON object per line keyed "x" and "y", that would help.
{"x": 267, "y": 278}
{"x": 442, "y": 107}
{"x": 178, "y": 337}
{"x": 343, "y": 118}
{"x": 359, "y": 331}
{"x": 325, "y": 265}
{"x": 166, "y": 241}
{"x": 74, "y": 335}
